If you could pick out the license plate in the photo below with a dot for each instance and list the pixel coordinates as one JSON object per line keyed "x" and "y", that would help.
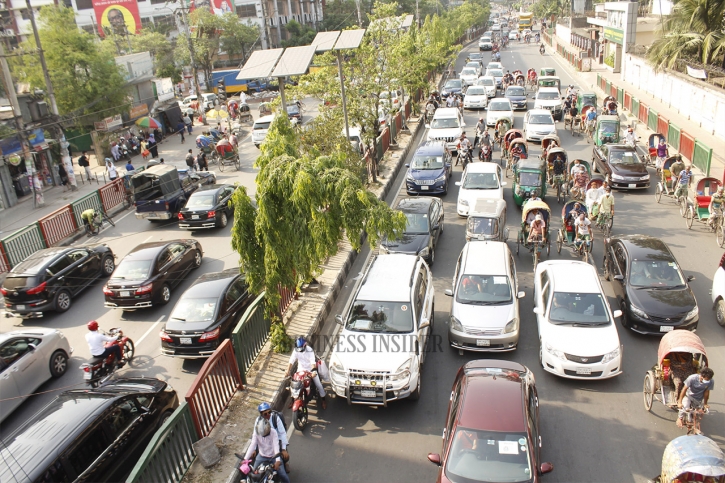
{"x": 367, "y": 393}
{"x": 632, "y": 185}
{"x": 666, "y": 328}
{"x": 483, "y": 343}
{"x": 185, "y": 340}
{"x": 194, "y": 217}
{"x": 583, "y": 371}
{"x": 424, "y": 188}
{"x": 86, "y": 375}
{"x": 125, "y": 294}
{"x": 20, "y": 307}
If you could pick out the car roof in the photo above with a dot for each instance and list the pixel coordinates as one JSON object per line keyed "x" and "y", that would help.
{"x": 572, "y": 276}
{"x": 482, "y": 168}
{"x": 499, "y": 100}
{"x": 485, "y": 258}
{"x": 487, "y": 207}
{"x": 210, "y": 187}
{"x": 212, "y": 284}
{"x": 148, "y": 251}
{"x": 37, "y": 261}
{"x": 30, "y": 332}
{"x": 268, "y": 118}
{"x": 446, "y": 112}
{"x": 538, "y": 111}
{"x": 389, "y": 278}
{"x": 644, "y": 247}
{"x": 414, "y": 205}
{"x": 431, "y": 148}
{"x": 547, "y": 89}
{"x": 492, "y": 403}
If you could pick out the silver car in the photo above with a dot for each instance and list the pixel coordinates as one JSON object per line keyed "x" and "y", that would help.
{"x": 28, "y": 358}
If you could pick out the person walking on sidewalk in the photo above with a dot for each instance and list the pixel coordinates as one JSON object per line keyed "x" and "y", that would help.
{"x": 63, "y": 177}
{"x": 188, "y": 122}
{"x": 181, "y": 127}
{"x": 83, "y": 163}
{"x": 152, "y": 147}
{"x": 111, "y": 168}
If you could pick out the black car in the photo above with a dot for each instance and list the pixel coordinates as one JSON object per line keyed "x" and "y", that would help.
{"x": 517, "y": 96}
{"x": 652, "y": 292}
{"x": 205, "y": 315}
{"x": 294, "y": 112}
{"x": 621, "y": 165}
{"x": 88, "y": 434}
{"x": 425, "y": 224}
{"x": 146, "y": 275}
{"x": 49, "y": 279}
{"x": 208, "y": 207}
{"x": 452, "y": 86}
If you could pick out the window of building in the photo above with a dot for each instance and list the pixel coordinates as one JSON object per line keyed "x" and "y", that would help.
{"x": 246, "y": 11}
{"x": 84, "y": 4}
{"x": 281, "y": 7}
{"x": 166, "y": 20}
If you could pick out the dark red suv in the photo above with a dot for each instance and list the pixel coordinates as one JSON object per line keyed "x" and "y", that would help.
{"x": 492, "y": 428}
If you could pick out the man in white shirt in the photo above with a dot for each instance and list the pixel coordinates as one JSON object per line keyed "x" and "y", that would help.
{"x": 97, "y": 344}
{"x": 594, "y": 194}
{"x": 266, "y": 441}
{"x": 584, "y": 233}
{"x": 304, "y": 355}
{"x": 630, "y": 138}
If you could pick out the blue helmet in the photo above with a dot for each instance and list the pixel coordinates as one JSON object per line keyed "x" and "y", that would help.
{"x": 265, "y": 406}
{"x": 300, "y": 344}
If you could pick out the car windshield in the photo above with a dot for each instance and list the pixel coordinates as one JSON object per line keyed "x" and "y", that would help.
{"x": 476, "y": 91}
{"x": 480, "y": 181}
{"x": 380, "y": 317}
{"x": 578, "y": 309}
{"x": 469, "y": 71}
{"x": 541, "y": 119}
{"x": 515, "y": 91}
{"x": 199, "y": 200}
{"x": 427, "y": 162}
{"x": 483, "y": 290}
{"x": 486, "y": 39}
{"x": 445, "y": 123}
{"x": 453, "y": 84}
{"x": 548, "y": 96}
{"x": 195, "y": 310}
{"x": 293, "y": 109}
{"x": 485, "y": 82}
{"x": 499, "y": 106}
{"x": 133, "y": 269}
{"x": 495, "y": 73}
{"x": 624, "y": 157}
{"x": 475, "y": 56}
{"x": 489, "y": 456}
{"x": 482, "y": 226}
{"x": 529, "y": 179}
{"x": 417, "y": 223}
{"x": 655, "y": 273}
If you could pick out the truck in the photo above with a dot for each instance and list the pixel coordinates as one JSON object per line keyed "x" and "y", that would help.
{"x": 525, "y": 20}
{"x": 232, "y": 85}
{"x": 161, "y": 191}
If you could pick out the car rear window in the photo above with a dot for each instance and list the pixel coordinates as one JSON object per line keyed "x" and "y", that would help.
{"x": 19, "y": 282}
{"x": 133, "y": 269}
{"x": 261, "y": 125}
{"x": 205, "y": 200}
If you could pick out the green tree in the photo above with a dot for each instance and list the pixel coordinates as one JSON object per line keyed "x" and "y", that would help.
{"x": 85, "y": 78}
{"x": 162, "y": 52}
{"x": 299, "y": 34}
{"x": 342, "y": 14}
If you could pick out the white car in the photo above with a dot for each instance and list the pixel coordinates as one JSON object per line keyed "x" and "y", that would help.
{"x": 479, "y": 180}
{"x": 499, "y": 109}
{"x": 260, "y": 128}
{"x": 538, "y": 123}
{"x": 550, "y": 98}
{"x": 447, "y": 125}
{"x": 476, "y": 98}
{"x": 718, "y": 292}
{"x": 489, "y": 83}
{"x": 496, "y": 74}
{"x": 485, "y": 43}
{"x": 578, "y": 338}
{"x": 513, "y": 35}
{"x": 468, "y": 76}
{"x": 475, "y": 64}
{"x": 494, "y": 65}
{"x": 391, "y": 97}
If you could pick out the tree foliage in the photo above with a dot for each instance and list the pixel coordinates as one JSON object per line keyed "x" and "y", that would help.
{"x": 85, "y": 77}
{"x": 162, "y": 52}
{"x": 299, "y": 34}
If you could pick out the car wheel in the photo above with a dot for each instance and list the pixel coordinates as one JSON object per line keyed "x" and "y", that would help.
{"x": 625, "y": 322}
{"x": 432, "y": 256}
{"x": 63, "y": 301}
{"x": 58, "y": 363}
{"x": 197, "y": 259}
{"x": 720, "y": 312}
{"x": 164, "y": 417}
{"x": 165, "y": 295}
{"x": 108, "y": 265}
{"x": 415, "y": 395}
{"x": 223, "y": 220}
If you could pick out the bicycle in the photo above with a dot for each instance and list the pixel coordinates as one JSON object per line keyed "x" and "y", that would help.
{"x": 301, "y": 105}
{"x": 692, "y": 418}
{"x": 99, "y": 217}
{"x": 605, "y": 221}
{"x": 584, "y": 248}
{"x": 559, "y": 184}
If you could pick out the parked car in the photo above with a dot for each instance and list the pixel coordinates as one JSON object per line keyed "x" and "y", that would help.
{"x": 88, "y": 434}
{"x": 205, "y": 315}
{"x": 49, "y": 279}
{"x": 430, "y": 170}
{"x": 28, "y": 358}
{"x": 147, "y": 274}
{"x": 517, "y": 96}
{"x": 649, "y": 285}
{"x": 424, "y": 226}
{"x": 577, "y": 335}
{"x": 479, "y": 180}
{"x": 260, "y": 128}
{"x": 492, "y": 430}
{"x": 452, "y": 86}
{"x": 499, "y": 109}
{"x": 538, "y": 123}
{"x": 718, "y": 292}
{"x": 485, "y": 307}
{"x": 621, "y": 165}
{"x": 208, "y": 207}
{"x": 476, "y": 98}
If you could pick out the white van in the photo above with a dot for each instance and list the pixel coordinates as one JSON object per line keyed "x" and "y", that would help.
{"x": 447, "y": 125}
{"x": 260, "y": 128}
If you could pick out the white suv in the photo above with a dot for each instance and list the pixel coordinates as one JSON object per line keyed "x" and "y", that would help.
{"x": 381, "y": 347}
{"x": 577, "y": 335}
{"x": 549, "y": 98}
{"x": 447, "y": 125}
{"x": 260, "y": 128}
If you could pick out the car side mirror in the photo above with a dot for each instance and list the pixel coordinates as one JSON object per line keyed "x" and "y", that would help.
{"x": 339, "y": 319}
{"x": 32, "y": 347}
{"x": 448, "y": 292}
{"x": 538, "y": 311}
{"x": 617, "y": 314}
{"x": 427, "y": 126}
{"x": 545, "y": 467}
{"x": 407, "y": 165}
{"x": 618, "y": 278}
{"x": 521, "y": 295}
{"x": 690, "y": 278}
{"x": 436, "y": 459}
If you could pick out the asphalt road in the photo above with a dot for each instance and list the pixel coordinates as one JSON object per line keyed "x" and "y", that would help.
{"x": 592, "y": 431}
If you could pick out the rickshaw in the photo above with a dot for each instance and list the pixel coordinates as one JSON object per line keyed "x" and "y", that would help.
{"x": 228, "y": 155}
{"x": 567, "y": 233}
{"x": 604, "y": 223}
{"x": 694, "y": 458}
{"x": 547, "y": 71}
{"x": 531, "y": 81}
{"x": 549, "y": 81}
{"x": 519, "y": 78}
{"x": 265, "y": 109}
{"x": 535, "y": 247}
{"x": 558, "y": 184}
{"x": 681, "y": 353}
{"x": 529, "y": 176}
{"x": 502, "y": 127}
{"x": 487, "y": 220}
{"x": 654, "y": 140}
{"x": 548, "y": 142}
{"x": 583, "y": 126}
{"x": 586, "y": 99}
{"x": 576, "y": 186}
{"x": 665, "y": 184}
{"x": 699, "y": 202}
{"x": 245, "y": 113}
{"x": 506, "y": 140}
{"x": 518, "y": 149}
{"x": 607, "y": 131}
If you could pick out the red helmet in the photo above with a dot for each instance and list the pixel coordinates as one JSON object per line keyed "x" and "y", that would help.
{"x": 92, "y": 325}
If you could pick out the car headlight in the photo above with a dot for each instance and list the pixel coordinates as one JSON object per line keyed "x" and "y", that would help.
{"x": 692, "y": 313}
{"x": 409, "y": 177}
{"x": 463, "y": 202}
{"x": 456, "y": 325}
{"x": 644, "y": 178}
{"x": 403, "y": 372}
{"x": 512, "y": 326}
{"x": 440, "y": 178}
{"x": 638, "y": 312}
{"x": 337, "y": 373}
{"x": 424, "y": 252}
{"x": 555, "y": 352}
{"x": 617, "y": 177}
{"x": 610, "y": 356}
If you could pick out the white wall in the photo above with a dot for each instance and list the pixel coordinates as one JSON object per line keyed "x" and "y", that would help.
{"x": 564, "y": 33}
{"x": 702, "y": 105}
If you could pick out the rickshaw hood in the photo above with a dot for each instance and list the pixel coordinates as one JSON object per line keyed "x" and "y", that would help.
{"x": 680, "y": 341}
{"x": 695, "y": 454}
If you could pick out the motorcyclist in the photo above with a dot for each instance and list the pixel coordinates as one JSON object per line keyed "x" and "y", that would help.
{"x": 432, "y": 101}
{"x": 304, "y": 355}
{"x": 97, "y": 344}
{"x": 266, "y": 412}
{"x": 464, "y": 146}
{"x": 542, "y": 49}
{"x": 480, "y": 127}
{"x": 265, "y": 441}
{"x": 570, "y": 91}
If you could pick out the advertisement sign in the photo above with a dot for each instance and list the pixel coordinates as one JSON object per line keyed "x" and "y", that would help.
{"x": 219, "y": 7}
{"x": 113, "y": 122}
{"x": 10, "y": 145}
{"x": 614, "y": 35}
{"x": 117, "y": 17}
{"x": 138, "y": 111}
{"x": 36, "y": 137}
{"x": 164, "y": 89}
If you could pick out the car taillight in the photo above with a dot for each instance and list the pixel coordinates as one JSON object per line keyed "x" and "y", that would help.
{"x": 167, "y": 206}
{"x": 181, "y": 216}
{"x": 165, "y": 337}
{"x": 36, "y": 290}
{"x": 87, "y": 369}
{"x": 144, "y": 288}
{"x": 211, "y": 214}
{"x": 3, "y": 291}
{"x": 214, "y": 334}
{"x": 107, "y": 291}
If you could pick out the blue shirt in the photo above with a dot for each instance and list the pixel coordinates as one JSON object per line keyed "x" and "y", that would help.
{"x": 591, "y": 115}
{"x": 129, "y": 167}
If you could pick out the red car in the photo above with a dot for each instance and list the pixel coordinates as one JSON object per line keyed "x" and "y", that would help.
{"x": 492, "y": 429}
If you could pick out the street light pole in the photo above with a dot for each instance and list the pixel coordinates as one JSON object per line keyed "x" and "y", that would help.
{"x": 342, "y": 89}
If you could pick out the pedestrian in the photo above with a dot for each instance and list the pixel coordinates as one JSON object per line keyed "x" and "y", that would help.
{"x": 63, "y": 177}
{"x": 243, "y": 97}
{"x": 158, "y": 136}
{"x": 111, "y": 168}
{"x": 180, "y": 127}
{"x": 201, "y": 162}
{"x": 152, "y": 147}
{"x": 190, "y": 160}
{"x": 129, "y": 167}
{"x": 188, "y": 122}
{"x": 83, "y": 162}
{"x": 145, "y": 149}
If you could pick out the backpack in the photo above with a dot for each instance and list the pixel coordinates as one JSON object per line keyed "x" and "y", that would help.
{"x": 280, "y": 416}
{"x": 190, "y": 160}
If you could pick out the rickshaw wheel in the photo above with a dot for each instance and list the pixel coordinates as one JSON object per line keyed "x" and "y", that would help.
{"x": 658, "y": 192}
{"x": 221, "y": 165}
{"x": 559, "y": 242}
{"x": 648, "y": 390}
{"x": 518, "y": 244}
{"x": 720, "y": 234}
{"x": 682, "y": 201}
{"x": 689, "y": 217}
{"x": 558, "y": 193}
{"x": 548, "y": 247}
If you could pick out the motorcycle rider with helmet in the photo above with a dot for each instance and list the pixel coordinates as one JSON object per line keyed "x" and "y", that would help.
{"x": 266, "y": 412}
{"x": 304, "y": 355}
{"x": 97, "y": 344}
{"x": 265, "y": 441}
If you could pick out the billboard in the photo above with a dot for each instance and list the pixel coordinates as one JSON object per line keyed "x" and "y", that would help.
{"x": 219, "y": 7}
{"x": 117, "y": 17}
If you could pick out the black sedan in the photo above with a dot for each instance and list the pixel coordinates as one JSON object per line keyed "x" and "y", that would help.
{"x": 146, "y": 275}
{"x": 294, "y": 112}
{"x": 517, "y": 96}
{"x": 49, "y": 279}
{"x": 452, "y": 86}
{"x": 425, "y": 224}
{"x": 651, "y": 290}
{"x": 205, "y": 315}
{"x": 208, "y": 207}
{"x": 621, "y": 165}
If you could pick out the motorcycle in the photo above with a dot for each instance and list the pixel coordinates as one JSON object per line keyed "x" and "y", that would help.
{"x": 264, "y": 473}
{"x": 123, "y": 149}
{"x": 99, "y": 369}
{"x": 486, "y": 153}
{"x": 303, "y": 390}
{"x": 430, "y": 110}
{"x": 542, "y": 50}
{"x": 465, "y": 156}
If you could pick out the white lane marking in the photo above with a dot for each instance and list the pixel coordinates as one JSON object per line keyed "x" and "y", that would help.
{"x": 124, "y": 216}
{"x": 138, "y": 343}
{"x": 147, "y": 239}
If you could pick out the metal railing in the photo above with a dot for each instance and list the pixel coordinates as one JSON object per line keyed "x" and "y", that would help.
{"x": 169, "y": 454}
{"x": 91, "y": 200}
{"x": 213, "y": 388}
{"x": 250, "y": 335}
{"x": 23, "y": 243}
{"x": 112, "y": 194}
{"x": 58, "y": 225}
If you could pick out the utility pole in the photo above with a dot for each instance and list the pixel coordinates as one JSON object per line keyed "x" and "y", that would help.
{"x": 17, "y": 115}
{"x": 194, "y": 70}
